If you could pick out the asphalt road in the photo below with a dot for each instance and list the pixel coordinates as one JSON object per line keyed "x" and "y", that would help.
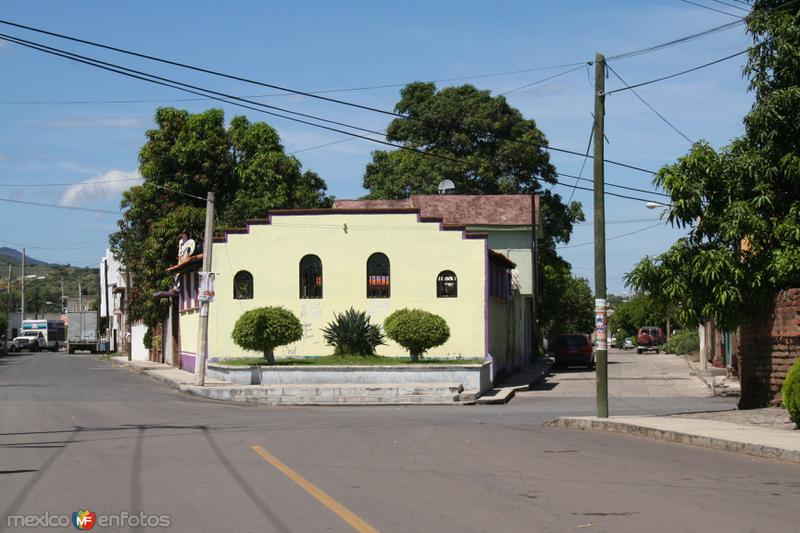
{"x": 76, "y": 433}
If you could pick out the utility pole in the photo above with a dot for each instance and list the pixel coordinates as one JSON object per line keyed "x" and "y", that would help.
{"x": 108, "y": 315}
{"x": 202, "y": 327}
{"x": 80, "y": 307}
{"x": 8, "y": 294}
{"x": 601, "y": 326}
{"x": 22, "y": 294}
{"x": 36, "y": 305}
{"x": 534, "y": 280}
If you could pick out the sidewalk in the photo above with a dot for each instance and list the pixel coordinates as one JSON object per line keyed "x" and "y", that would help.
{"x": 762, "y": 433}
{"x": 716, "y": 379}
{"x": 521, "y": 380}
{"x": 163, "y": 372}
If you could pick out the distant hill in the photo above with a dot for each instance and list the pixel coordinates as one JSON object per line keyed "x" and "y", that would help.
{"x": 10, "y": 256}
{"x": 49, "y": 286}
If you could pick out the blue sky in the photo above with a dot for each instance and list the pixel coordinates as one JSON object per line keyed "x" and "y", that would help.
{"x": 331, "y": 45}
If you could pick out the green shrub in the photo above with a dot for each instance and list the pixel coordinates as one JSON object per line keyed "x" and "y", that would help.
{"x": 265, "y": 328}
{"x": 351, "y": 333}
{"x": 148, "y": 338}
{"x": 791, "y": 393}
{"x": 416, "y": 330}
{"x": 683, "y": 342}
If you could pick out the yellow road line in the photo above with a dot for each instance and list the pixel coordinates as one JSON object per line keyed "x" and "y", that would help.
{"x": 343, "y": 512}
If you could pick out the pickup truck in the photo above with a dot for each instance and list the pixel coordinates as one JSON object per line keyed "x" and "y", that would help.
{"x": 650, "y": 338}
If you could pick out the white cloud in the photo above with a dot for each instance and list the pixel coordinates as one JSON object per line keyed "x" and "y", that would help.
{"x": 105, "y": 186}
{"x": 95, "y": 122}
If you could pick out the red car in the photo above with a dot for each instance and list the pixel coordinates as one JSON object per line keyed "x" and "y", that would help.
{"x": 650, "y": 338}
{"x": 574, "y": 349}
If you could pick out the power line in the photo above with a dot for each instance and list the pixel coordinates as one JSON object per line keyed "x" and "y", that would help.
{"x": 56, "y": 206}
{"x": 224, "y": 97}
{"x": 734, "y": 6}
{"x": 634, "y": 189}
{"x": 554, "y": 76}
{"x": 585, "y": 159}
{"x": 674, "y": 42}
{"x": 197, "y": 69}
{"x": 607, "y": 193}
{"x": 587, "y": 243}
{"x": 662, "y": 117}
{"x": 709, "y": 8}
{"x": 68, "y": 184}
{"x": 630, "y": 87}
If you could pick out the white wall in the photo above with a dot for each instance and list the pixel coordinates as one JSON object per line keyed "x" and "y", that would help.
{"x": 138, "y": 351}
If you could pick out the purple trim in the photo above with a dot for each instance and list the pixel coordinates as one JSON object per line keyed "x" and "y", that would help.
{"x": 187, "y": 361}
{"x": 486, "y": 298}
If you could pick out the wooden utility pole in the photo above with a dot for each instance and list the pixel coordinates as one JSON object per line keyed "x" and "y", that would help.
{"x": 534, "y": 281}
{"x": 22, "y": 293}
{"x": 202, "y": 326}
{"x": 601, "y": 322}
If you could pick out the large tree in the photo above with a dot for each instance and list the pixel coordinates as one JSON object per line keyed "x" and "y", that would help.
{"x": 484, "y": 146}
{"x": 741, "y": 204}
{"x": 244, "y": 164}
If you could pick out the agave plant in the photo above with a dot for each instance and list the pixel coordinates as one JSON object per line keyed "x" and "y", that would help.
{"x": 351, "y": 333}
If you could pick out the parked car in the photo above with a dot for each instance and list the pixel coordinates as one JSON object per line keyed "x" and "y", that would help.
{"x": 650, "y": 338}
{"x": 573, "y": 349}
{"x": 627, "y": 344}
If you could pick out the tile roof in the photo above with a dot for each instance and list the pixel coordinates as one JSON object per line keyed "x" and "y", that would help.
{"x": 458, "y": 209}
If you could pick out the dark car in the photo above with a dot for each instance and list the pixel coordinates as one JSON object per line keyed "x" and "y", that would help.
{"x": 573, "y": 349}
{"x": 650, "y": 338}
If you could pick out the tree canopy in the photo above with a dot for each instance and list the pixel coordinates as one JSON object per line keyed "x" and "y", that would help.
{"x": 478, "y": 141}
{"x": 484, "y": 146}
{"x": 741, "y": 203}
{"x": 244, "y": 164}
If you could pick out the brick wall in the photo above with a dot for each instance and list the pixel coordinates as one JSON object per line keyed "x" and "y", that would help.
{"x": 767, "y": 349}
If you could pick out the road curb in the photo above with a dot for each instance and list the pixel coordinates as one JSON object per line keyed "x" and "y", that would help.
{"x": 693, "y": 439}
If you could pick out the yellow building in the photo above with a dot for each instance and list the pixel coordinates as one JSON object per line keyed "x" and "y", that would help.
{"x": 320, "y": 262}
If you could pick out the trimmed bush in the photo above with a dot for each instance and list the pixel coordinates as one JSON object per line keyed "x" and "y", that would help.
{"x": 350, "y": 333}
{"x": 683, "y": 342}
{"x": 791, "y": 393}
{"x": 265, "y": 328}
{"x": 416, "y": 330}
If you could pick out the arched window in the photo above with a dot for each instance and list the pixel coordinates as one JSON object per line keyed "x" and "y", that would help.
{"x": 310, "y": 277}
{"x": 446, "y": 284}
{"x": 243, "y": 285}
{"x": 378, "y": 285}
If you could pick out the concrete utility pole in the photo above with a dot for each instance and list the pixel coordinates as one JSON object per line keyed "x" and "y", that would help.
{"x": 202, "y": 327}
{"x": 80, "y": 307}
{"x": 22, "y": 294}
{"x": 601, "y": 327}
{"x": 534, "y": 281}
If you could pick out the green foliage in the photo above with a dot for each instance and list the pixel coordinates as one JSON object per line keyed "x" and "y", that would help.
{"x": 265, "y": 328}
{"x": 576, "y": 309}
{"x": 3, "y": 322}
{"x": 640, "y": 310}
{"x": 244, "y": 164}
{"x": 148, "y": 339}
{"x": 741, "y": 204}
{"x": 791, "y": 393}
{"x": 352, "y": 333}
{"x": 683, "y": 342}
{"x": 416, "y": 330}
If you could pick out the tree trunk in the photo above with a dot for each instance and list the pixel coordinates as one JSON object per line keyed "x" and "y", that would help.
{"x": 270, "y": 356}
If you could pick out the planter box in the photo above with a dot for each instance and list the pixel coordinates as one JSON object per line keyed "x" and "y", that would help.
{"x": 473, "y": 377}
